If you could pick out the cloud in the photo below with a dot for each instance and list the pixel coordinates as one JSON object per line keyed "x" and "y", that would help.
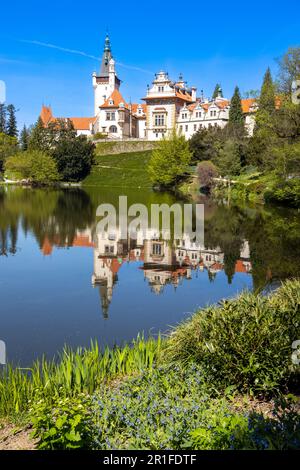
{"x": 81, "y": 53}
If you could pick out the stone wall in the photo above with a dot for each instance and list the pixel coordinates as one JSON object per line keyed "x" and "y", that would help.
{"x": 108, "y": 148}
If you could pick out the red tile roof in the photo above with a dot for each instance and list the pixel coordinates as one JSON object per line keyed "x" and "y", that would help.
{"x": 117, "y": 99}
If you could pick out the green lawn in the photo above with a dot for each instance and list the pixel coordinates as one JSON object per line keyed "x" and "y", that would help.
{"x": 127, "y": 170}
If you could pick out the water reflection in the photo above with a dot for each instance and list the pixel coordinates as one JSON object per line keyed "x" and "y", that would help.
{"x": 61, "y": 282}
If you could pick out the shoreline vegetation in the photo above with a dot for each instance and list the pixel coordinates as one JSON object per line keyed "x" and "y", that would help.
{"x": 222, "y": 379}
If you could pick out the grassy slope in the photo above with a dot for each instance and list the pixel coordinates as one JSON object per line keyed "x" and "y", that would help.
{"x": 127, "y": 170}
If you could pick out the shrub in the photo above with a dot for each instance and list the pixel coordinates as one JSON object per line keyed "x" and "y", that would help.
{"x": 244, "y": 342}
{"x": 170, "y": 160}
{"x": 66, "y": 424}
{"x": 251, "y": 431}
{"x": 32, "y": 165}
{"x": 285, "y": 192}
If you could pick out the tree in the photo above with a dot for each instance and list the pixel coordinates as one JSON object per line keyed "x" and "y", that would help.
{"x": 203, "y": 144}
{"x": 39, "y": 138}
{"x": 228, "y": 159}
{"x": 217, "y": 91}
{"x": 289, "y": 69}
{"x": 169, "y": 160}
{"x": 74, "y": 157}
{"x": 8, "y": 146}
{"x": 206, "y": 172}
{"x": 267, "y": 94}
{"x": 24, "y": 138}
{"x": 11, "y": 126}
{"x": 32, "y": 165}
{"x": 2, "y": 118}
{"x": 236, "y": 116}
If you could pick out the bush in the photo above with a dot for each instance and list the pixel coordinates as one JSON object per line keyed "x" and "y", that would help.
{"x": 251, "y": 431}
{"x": 285, "y": 192}
{"x": 74, "y": 157}
{"x": 66, "y": 424}
{"x": 32, "y": 165}
{"x": 244, "y": 342}
{"x": 169, "y": 161}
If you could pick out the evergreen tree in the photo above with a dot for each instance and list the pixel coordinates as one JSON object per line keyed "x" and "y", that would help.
{"x": 11, "y": 128}
{"x": 2, "y": 118}
{"x": 267, "y": 94}
{"x": 24, "y": 138}
{"x": 217, "y": 91}
{"x": 236, "y": 117}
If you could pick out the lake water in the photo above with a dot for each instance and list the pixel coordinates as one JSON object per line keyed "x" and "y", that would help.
{"x": 62, "y": 284}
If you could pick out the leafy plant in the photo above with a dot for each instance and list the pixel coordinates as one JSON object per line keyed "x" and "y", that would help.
{"x": 66, "y": 424}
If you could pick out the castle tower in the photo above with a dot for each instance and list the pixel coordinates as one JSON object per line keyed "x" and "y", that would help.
{"x": 107, "y": 81}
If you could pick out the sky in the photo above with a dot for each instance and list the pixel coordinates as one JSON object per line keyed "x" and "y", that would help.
{"x": 231, "y": 43}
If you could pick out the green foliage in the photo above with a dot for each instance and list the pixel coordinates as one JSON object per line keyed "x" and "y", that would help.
{"x": 80, "y": 371}
{"x": 236, "y": 117}
{"x": 8, "y": 146}
{"x": 65, "y": 424}
{"x": 74, "y": 157}
{"x": 32, "y": 165}
{"x": 285, "y": 192}
{"x": 206, "y": 172}
{"x": 99, "y": 136}
{"x": 217, "y": 91}
{"x": 167, "y": 408}
{"x": 251, "y": 431}
{"x": 2, "y": 118}
{"x": 204, "y": 144}
{"x": 24, "y": 138}
{"x": 289, "y": 69}
{"x": 244, "y": 342}
{"x": 11, "y": 125}
{"x": 267, "y": 94}
{"x": 40, "y": 138}
{"x": 170, "y": 160}
{"x": 229, "y": 158}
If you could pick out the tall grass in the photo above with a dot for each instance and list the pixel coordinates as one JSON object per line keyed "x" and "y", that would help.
{"x": 82, "y": 370}
{"x": 245, "y": 342}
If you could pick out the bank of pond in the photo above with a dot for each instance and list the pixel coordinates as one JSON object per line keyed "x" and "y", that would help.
{"x": 228, "y": 377}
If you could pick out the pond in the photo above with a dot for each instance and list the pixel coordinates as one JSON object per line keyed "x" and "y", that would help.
{"x": 61, "y": 284}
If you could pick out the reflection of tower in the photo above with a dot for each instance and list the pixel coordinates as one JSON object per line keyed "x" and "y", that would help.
{"x": 107, "y": 262}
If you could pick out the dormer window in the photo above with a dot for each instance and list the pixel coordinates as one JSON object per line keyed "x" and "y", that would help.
{"x": 161, "y": 89}
{"x": 111, "y": 102}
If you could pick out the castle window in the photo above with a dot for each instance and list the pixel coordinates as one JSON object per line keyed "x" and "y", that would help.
{"x": 111, "y": 116}
{"x": 195, "y": 127}
{"x": 113, "y": 129}
{"x": 159, "y": 120}
{"x": 180, "y": 129}
{"x": 213, "y": 113}
{"x": 186, "y": 128}
{"x": 161, "y": 89}
{"x": 157, "y": 249}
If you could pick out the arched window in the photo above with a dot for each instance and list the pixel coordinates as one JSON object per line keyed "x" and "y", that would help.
{"x": 113, "y": 129}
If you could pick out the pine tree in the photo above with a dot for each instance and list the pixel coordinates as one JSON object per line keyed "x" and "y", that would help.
{"x": 2, "y": 118}
{"x": 217, "y": 91}
{"x": 11, "y": 127}
{"x": 264, "y": 117}
{"x": 24, "y": 138}
{"x": 236, "y": 117}
{"x": 267, "y": 94}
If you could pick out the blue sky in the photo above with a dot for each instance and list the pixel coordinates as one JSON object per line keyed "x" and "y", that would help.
{"x": 210, "y": 42}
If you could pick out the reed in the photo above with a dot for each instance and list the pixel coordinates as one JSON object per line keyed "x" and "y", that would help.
{"x": 76, "y": 371}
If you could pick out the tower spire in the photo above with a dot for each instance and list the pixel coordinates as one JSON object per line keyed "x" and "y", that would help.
{"x": 106, "y": 57}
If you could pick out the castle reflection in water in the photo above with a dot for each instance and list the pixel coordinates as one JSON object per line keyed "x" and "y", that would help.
{"x": 162, "y": 261}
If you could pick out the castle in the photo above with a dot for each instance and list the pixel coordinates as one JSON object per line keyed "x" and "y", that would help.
{"x": 168, "y": 105}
